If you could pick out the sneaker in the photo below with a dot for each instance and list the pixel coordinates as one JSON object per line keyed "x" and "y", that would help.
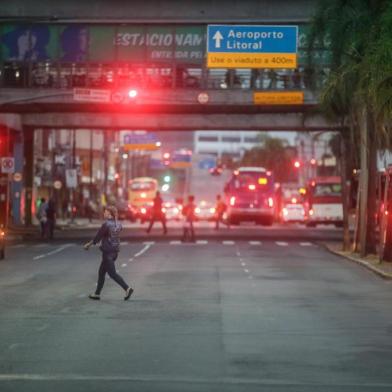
{"x": 94, "y": 296}
{"x": 128, "y": 294}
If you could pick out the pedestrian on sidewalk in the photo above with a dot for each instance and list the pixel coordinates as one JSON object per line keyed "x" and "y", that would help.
{"x": 109, "y": 237}
{"x": 157, "y": 213}
{"x": 188, "y": 212}
{"x": 42, "y": 217}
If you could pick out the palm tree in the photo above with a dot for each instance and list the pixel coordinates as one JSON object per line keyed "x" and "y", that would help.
{"x": 350, "y": 28}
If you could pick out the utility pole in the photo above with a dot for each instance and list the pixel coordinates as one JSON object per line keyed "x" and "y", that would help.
{"x": 91, "y": 170}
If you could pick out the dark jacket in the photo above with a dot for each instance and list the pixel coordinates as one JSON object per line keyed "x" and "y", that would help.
{"x": 109, "y": 235}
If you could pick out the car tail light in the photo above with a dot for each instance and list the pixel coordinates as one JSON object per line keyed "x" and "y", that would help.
{"x": 212, "y": 210}
{"x": 252, "y": 187}
{"x": 232, "y": 200}
{"x": 294, "y": 200}
{"x": 270, "y": 202}
{"x": 311, "y": 212}
{"x": 163, "y": 209}
{"x": 143, "y": 211}
{"x": 285, "y": 212}
{"x": 263, "y": 181}
{"x": 197, "y": 210}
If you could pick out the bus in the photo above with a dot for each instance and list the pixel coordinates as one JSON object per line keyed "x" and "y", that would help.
{"x": 250, "y": 196}
{"x": 142, "y": 191}
{"x": 324, "y": 202}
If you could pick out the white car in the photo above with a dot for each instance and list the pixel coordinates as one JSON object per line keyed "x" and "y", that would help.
{"x": 293, "y": 212}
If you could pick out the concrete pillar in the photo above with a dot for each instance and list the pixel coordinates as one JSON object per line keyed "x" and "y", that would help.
{"x": 28, "y": 152}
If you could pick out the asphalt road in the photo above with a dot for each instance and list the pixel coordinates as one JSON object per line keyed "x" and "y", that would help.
{"x": 218, "y": 315}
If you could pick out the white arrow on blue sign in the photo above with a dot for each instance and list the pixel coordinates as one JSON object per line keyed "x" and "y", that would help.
{"x": 244, "y": 46}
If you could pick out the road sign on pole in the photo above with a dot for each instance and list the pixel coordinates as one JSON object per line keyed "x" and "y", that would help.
{"x": 91, "y": 95}
{"x": 7, "y": 165}
{"x": 248, "y": 46}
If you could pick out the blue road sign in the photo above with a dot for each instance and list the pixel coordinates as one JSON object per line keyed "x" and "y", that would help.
{"x": 241, "y": 46}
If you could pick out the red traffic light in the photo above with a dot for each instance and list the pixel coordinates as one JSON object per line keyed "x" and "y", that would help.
{"x": 132, "y": 93}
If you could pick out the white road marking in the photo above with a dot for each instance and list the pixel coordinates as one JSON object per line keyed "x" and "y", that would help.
{"x": 243, "y": 264}
{"x": 279, "y": 243}
{"x": 149, "y": 243}
{"x": 131, "y": 259}
{"x": 18, "y": 246}
{"x": 124, "y": 243}
{"x": 42, "y": 328}
{"x": 124, "y": 265}
{"x": 175, "y": 242}
{"x": 254, "y": 242}
{"x": 246, "y": 270}
{"x": 305, "y": 244}
{"x": 145, "y": 249}
{"x": 228, "y": 242}
{"x": 53, "y": 252}
{"x": 201, "y": 242}
{"x": 40, "y": 245}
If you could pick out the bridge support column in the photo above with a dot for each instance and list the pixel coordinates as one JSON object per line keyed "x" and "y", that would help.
{"x": 28, "y": 174}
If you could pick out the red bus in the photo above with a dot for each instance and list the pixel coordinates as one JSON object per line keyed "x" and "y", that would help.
{"x": 324, "y": 202}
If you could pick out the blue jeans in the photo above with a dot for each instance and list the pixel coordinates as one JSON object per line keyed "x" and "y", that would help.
{"x": 108, "y": 266}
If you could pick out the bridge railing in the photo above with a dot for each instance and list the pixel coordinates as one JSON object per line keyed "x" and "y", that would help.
{"x": 107, "y": 76}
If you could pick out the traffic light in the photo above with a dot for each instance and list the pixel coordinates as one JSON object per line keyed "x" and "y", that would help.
{"x": 132, "y": 93}
{"x": 167, "y": 178}
{"x": 166, "y": 158}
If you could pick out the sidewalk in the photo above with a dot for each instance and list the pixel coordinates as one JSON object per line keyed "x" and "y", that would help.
{"x": 371, "y": 262}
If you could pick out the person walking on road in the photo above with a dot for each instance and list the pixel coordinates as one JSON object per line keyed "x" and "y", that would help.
{"x": 157, "y": 213}
{"x": 51, "y": 217}
{"x": 109, "y": 237}
{"x": 188, "y": 212}
{"x": 42, "y": 217}
{"x": 220, "y": 209}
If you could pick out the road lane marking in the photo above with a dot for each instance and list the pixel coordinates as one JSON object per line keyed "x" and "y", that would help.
{"x": 124, "y": 243}
{"x": 175, "y": 242}
{"x": 254, "y": 242}
{"x": 40, "y": 245}
{"x": 228, "y": 242}
{"x": 124, "y": 265}
{"x": 149, "y": 243}
{"x": 246, "y": 270}
{"x": 305, "y": 244}
{"x": 243, "y": 264}
{"x": 145, "y": 249}
{"x": 279, "y": 243}
{"x": 18, "y": 246}
{"x": 131, "y": 259}
{"x": 201, "y": 242}
{"x": 53, "y": 252}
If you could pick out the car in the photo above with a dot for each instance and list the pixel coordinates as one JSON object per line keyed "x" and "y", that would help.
{"x": 205, "y": 211}
{"x": 144, "y": 212}
{"x": 293, "y": 211}
{"x": 172, "y": 211}
{"x": 216, "y": 171}
{"x": 126, "y": 211}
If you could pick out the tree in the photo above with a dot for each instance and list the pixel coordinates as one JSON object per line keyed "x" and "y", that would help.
{"x": 274, "y": 154}
{"x": 355, "y": 30}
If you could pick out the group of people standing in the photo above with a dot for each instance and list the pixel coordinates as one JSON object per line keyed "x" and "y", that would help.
{"x": 188, "y": 213}
{"x": 46, "y": 215}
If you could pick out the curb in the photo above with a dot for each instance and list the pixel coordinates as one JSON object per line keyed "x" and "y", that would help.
{"x": 363, "y": 263}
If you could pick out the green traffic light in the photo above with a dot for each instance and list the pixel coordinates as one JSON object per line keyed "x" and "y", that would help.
{"x": 167, "y": 178}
